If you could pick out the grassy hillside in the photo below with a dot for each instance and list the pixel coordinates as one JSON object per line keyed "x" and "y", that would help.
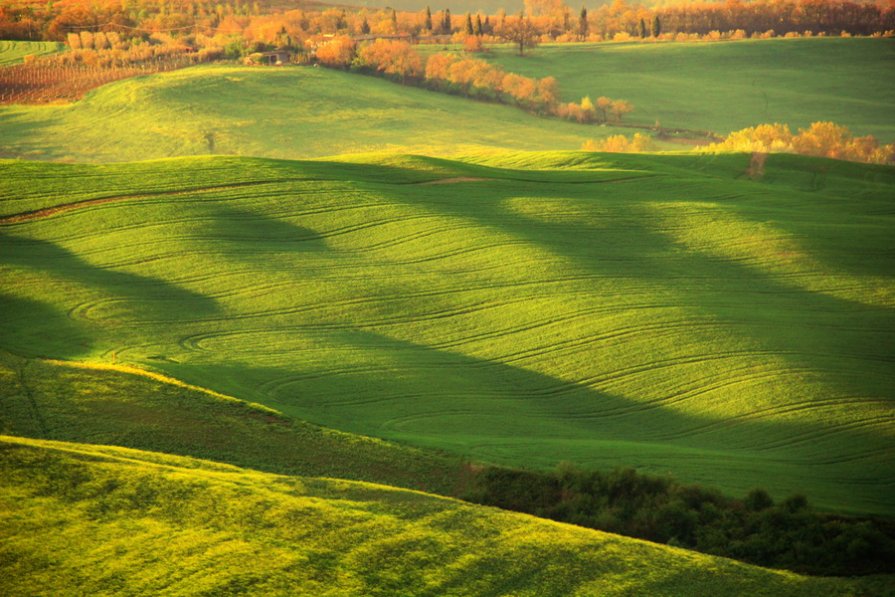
{"x": 728, "y": 86}
{"x": 663, "y": 312}
{"x": 283, "y": 113}
{"x": 12, "y": 52}
{"x": 115, "y": 405}
{"x": 87, "y": 519}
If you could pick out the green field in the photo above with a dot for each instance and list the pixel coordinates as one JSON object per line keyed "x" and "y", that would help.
{"x": 83, "y": 519}
{"x": 722, "y": 87}
{"x": 114, "y": 405}
{"x": 292, "y": 112}
{"x": 12, "y": 52}
{"x": 663, "y": 312}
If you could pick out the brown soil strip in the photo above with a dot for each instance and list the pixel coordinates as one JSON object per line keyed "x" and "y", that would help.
{"x": 454, "y": 180}
{"x": 66, "y": 207}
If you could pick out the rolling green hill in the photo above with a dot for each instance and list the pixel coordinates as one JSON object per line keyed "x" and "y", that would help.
{"x": 12, "y": 52}
{"x": 122, "y": 406}
{"x": 723, "y": 87}
{"x": 663, "y": 312}
{"x": 99, "y": 520}
{"x": 291, "y": 112}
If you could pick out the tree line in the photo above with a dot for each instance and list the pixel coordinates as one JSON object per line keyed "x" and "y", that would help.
{"x": 820, "y": 139}
{"x": 464, "y": 75}
{"x": 547, "y": 20}
{"x": 755, "y": 529}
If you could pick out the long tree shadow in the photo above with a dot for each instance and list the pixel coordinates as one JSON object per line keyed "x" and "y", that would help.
{"x": 849, "y": 345}
{"x": 251, "y": 235}
{"x": 410, "y": 392}
{"x": 146, "y": 298}
{"x": 34, "y": 328}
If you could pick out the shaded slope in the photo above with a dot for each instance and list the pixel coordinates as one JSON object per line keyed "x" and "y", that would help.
{"x": 108, "y": 404}
{"x": 653, "y": 311}
{"x": 83, "y": 518}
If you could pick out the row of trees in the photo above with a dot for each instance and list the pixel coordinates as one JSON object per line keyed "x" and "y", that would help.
{"x": 821, "y": 139}
{"x": 463, "y": 75}
{"x": 548, "y": 19}
{"x": 754, "y": 529}
{"x": 620, "y": 144}
{"x": 588, "y": 111}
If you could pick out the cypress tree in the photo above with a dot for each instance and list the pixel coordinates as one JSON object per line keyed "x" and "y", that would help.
{"x": 642, "y": 29}
{"x": 428, "y": 19}
{"x": 446, "y": 25}
{"x": 582, "y": 23}
{"x": 657, "y": 27}
{"x": 469, "y": 30}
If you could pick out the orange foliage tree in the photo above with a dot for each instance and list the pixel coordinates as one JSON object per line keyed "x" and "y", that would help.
{"x": 336, "y": 52}
{"x": 821, "y": 139}
{"x": 394, "y": 58}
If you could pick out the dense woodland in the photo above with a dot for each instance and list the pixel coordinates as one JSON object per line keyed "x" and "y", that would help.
{"x": 789, "y": 534}
{"x": 245, "y": 23}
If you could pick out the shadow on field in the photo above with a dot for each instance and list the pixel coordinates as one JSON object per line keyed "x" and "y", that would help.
{"x": 839, "y": 345}
{"x": 32, "y": 327}
{"x": 146, "y": 298}
{"x": 787, "y": 319}
{"x": 837, "y": 209}
{"x": 406, "y": 391}
{"x": 253, "y": 236}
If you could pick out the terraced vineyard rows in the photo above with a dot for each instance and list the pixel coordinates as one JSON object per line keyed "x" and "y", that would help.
{"x": 651, "y": 311}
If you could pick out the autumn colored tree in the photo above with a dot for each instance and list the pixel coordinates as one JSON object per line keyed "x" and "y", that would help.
{"x": 337, "y": 52}
{"x": 521, "y": 32}
{"x": 394, "y": 58}
{"x": 822, "y": 139}
{"x": 620, "y": 144}
{"x": 588, "y": 110}
{"x": 547, "y": 93}
{"x": 619, "y": 108}
{"x": 473, "y": 44}
{"x": 438, "y": 68}
{"x": 603, "y": 105}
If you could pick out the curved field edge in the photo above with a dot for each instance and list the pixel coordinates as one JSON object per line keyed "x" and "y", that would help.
{"x": 83, "y": 518}
{"x": 292, "y": 112}
{"x": 734, "y": 332}
{"x": 135, "y": 408}
{"x": 727, "y": 86}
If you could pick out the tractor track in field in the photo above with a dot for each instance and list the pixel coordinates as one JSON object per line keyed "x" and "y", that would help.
{"x": 47, "y": 212}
